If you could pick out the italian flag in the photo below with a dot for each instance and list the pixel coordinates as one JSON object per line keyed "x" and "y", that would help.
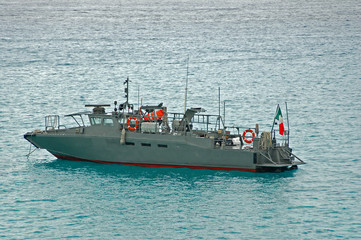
{"x": 280, "y": 120}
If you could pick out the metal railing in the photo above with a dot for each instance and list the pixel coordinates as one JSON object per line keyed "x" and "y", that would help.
{"x": 52, "y": 122}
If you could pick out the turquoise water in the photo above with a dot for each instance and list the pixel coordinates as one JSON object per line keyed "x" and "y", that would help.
{"x": 56, "y": 56}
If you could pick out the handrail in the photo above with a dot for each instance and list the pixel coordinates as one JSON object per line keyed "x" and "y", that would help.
{"x": 292, "y": 154}
{"x": 269, "y": 158}
{"x": 52, "y": 122}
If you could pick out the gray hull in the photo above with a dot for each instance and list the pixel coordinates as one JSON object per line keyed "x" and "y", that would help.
{"x": 145, "y": 150}
{"x": 154, "y": 150}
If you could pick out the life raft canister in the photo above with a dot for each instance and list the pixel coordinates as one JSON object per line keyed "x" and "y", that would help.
{"x": 136, "y": 123}
{"x": 244, "y": 135}
{"x": 150, "y": 116}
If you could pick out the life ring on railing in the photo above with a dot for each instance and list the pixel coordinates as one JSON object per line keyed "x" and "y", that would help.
{"x": 244, "y": 136}
{"x": 136, "y": 123}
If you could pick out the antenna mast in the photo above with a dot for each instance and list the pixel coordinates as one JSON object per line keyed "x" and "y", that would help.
{"x": 219, "y": 107}
{"x": 138, "y": 100}
{"x": 219, "y": 101}
{"x": 186, "y": 89}
{"x": 126, "y": 90}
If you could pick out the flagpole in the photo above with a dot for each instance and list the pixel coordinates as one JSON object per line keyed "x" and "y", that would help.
{"x": 274, "y": 120}
{"x": 288, "y": 126}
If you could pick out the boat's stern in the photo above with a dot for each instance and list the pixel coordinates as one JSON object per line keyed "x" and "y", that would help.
{"x": 277, "y": 159}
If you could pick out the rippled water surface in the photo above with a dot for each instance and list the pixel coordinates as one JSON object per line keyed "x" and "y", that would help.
{"x": 56, "y": 56}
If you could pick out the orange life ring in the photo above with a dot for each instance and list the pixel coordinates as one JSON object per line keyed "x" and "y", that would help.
{"x": 244, "y": 136}
{"x": 136, "y": 123}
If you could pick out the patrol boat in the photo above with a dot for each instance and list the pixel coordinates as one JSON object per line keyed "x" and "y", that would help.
{"x": 150, "y": 136}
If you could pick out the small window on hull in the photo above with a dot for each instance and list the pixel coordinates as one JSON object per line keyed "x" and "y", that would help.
{"x": 162, "y": 145}
{"x": 146, "y": 144}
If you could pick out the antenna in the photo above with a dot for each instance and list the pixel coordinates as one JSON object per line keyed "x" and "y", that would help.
{"x": 224, "y": 111}
{"x": 138, "y": 100}
{"x": 219, "y": 101}
{"x": 219, "y": 107}
{"x": 186, "y": 89}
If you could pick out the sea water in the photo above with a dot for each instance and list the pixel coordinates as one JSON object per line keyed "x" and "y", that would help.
{"x": 56, "y": 56}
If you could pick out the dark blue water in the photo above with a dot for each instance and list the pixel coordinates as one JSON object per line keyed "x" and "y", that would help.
{"x": 57, "y": 56}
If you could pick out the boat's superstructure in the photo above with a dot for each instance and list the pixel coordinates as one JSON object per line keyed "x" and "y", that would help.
{"x": 152, "y": 136}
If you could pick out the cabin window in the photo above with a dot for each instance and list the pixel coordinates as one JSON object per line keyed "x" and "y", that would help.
{"x": 95, "y": 120}
{"x": 108, "y": 122}
{"x": 162, "y": 145}
{"x": 146, "y": 144}
{"x": 129, "y": 143}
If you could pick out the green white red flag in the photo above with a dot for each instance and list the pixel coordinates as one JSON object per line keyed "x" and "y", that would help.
{"x": 279, "y": 118}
